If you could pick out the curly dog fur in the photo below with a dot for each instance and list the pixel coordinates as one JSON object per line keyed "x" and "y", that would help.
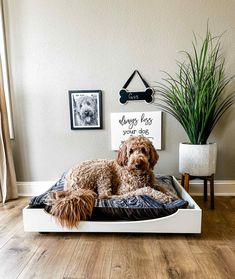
{"x": 130, "y": 174}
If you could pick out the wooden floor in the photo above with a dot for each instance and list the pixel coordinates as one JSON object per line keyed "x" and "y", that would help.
{"x": 63, "y": 255}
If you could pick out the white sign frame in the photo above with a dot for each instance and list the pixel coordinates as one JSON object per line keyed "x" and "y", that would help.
{"x": 125, "y": 124}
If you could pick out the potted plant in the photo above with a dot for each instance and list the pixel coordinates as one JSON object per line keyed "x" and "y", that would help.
{"x": 196, "y": 97}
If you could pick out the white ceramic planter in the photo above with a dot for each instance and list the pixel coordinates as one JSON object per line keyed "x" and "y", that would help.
{"x": 197, "y": 159}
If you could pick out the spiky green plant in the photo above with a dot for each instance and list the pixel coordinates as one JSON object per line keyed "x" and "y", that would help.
{"x": 195, "y": 96}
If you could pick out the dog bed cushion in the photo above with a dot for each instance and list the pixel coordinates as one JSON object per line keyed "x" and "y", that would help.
{"x": 131, "y": 208}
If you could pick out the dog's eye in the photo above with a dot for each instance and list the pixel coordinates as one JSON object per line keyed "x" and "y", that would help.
{"x": 88, "y": 103}
{"x": 131, "y": 151}
{"x": 143, "y": 150}
{"x": 80, "y": 105}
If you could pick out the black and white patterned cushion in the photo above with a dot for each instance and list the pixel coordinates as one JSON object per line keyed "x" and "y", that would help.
{"x": 132, "y": 208}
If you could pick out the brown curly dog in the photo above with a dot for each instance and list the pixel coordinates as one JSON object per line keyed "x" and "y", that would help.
{"x": 130, "y": 174}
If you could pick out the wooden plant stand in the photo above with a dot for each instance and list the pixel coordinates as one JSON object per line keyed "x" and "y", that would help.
{"x": 185, "y": 177}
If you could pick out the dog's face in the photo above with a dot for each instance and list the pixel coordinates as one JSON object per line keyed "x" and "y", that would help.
{"x": 87, "y": 109}
{"x": 138, "y": 154}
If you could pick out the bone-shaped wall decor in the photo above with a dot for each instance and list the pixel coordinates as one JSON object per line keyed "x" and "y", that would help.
{"x": 126, "y": 95}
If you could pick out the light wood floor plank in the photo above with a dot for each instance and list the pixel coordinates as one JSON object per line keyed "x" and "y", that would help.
{"x": 177, "y": 258}
{"x": 12, "y": 204}
{"x": 11, "y": 220}
{"x": 132, "y": 257}
{"x": 51, "y": 257}
{"x": 16, "y": 254}
{"x": 91, "y": 258}
{"x": 216, "y": 262}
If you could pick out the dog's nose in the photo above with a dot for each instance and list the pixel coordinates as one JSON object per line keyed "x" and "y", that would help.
{"x": 138, "y": 166}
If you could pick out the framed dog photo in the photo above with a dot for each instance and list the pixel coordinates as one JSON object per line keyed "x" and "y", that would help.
{"x": 85, "y": 109}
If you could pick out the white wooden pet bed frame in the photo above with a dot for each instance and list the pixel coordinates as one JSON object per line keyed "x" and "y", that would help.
{"x": 183, "y": 221}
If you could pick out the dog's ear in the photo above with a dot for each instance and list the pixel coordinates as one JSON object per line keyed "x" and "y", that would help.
{"x": 153, "y": 156}
{"x": 122, "y": 155}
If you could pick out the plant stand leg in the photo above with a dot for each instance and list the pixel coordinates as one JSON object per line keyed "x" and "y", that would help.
{"x": 212, "y": 191}
{"x": 205, "y": 189}
{"x": 186, "y": 182}
{"x": 182, "y": 179}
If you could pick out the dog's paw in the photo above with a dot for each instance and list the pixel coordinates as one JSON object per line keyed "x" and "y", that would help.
{"x": 105, "y": 196}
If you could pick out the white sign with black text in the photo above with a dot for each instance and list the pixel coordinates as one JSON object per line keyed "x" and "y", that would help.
{"x": 125, "y": 124}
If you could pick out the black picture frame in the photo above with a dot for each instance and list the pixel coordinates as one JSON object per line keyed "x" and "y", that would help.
{"x": 85, "y": 109}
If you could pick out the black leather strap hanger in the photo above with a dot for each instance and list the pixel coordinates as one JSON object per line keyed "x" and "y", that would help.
{"x": 131, "y": 77}
{"x": 126, "y": 95}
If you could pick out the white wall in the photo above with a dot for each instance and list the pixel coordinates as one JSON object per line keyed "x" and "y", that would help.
{"x": 58, "y": 45}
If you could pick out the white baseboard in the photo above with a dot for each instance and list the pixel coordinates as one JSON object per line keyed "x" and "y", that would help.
{"x": 33, "y": 188}
{"x": 222, "y": 187}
